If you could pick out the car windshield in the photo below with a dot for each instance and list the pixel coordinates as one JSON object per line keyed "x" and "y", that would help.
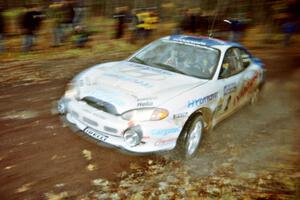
{"x": 198, "y": 61}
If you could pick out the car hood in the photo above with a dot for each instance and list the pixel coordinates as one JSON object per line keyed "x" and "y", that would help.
{"x": 126, "y": 85}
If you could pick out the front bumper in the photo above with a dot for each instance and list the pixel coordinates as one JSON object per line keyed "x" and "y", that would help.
{"x": 109, "y": 129}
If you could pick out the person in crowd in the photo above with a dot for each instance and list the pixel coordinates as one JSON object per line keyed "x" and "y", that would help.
{"x": 63, "y": 14}
{"x": 81, "y": 36}
{"x": 147, "y": 22}
{"x": 67, "y": 23}
{"x": 122, "y": 17}
{"x": 56, "y": 13}
{"x": 30, "y": 24}
{"x": 78, "y": 12}
{"x": 189, "y": 21}
{"x": 135, "y": 30}
{"x": 237, "y": 28}
{"x": 288, "y": 28}
{"x": 68, "y": 13}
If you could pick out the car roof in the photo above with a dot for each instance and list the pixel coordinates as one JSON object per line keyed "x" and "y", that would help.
{"x": 203, "y": 40}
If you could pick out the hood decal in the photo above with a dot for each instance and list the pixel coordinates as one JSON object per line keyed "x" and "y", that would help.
{"x": 129, "y": 79}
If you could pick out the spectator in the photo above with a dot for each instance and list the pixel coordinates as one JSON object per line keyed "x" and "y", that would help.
{"x": 122, "y": 17}
{"x": 288, "y": 28}
{"x": 135, "y": 30}
{"x": 236, "y": 29}
{"x": 78, "y": 12}
{"x": 30, "y": 23}
{"x": 68, "y": 13}
{"x": 64, "y": 16}
{"x": 189, "y": 21}
{"x": 81, "y": 36}
{"x": 56, "y": 13}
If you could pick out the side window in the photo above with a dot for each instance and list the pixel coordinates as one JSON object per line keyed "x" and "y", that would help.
{"x": 246, "y": 58}
{"x": 232, "y": 63}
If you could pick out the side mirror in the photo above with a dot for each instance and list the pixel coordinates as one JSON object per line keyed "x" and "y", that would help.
{"x": 246, "y": 64}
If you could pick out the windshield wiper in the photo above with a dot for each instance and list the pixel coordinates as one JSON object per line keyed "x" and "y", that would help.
{"x": 168, "y": 67}
{"x": 137, "y": 60}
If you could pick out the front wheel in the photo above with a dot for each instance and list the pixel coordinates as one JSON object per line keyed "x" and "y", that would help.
{"x": 191, "y": 136}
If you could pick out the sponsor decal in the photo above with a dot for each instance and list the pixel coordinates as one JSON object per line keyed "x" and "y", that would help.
{"x": 180, "y": 115}
{"x": 95, "y": 134}
{"x": 86, "y": 82}
{"x": 157, "y": 70}
{"x": 164, "y": 132}
{"x": 230, "y": 88}
{"x": 144, "y": 104}
{"x": 190, "y": 42}
{"x": 246, "y": 88}
{"x": 147, "y": 99}
{"x": 129, "y": 79}
{"x": 197, "y": 41}
{"x": 203, "y": 100}
{"x": 143, "y": 73}
{"x": 219, "y": 106}
{"x": 227, "y": 103}
{"x": 164, "y": 142}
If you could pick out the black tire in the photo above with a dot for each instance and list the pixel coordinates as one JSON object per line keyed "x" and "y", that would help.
{"x": 190, "y": 138}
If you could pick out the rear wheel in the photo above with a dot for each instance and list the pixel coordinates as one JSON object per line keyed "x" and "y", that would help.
{"x": 191, "y": 137}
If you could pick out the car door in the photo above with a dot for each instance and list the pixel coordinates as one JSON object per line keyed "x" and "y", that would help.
{"x": 249, "y": 80}
{"x": 230, "y": 77}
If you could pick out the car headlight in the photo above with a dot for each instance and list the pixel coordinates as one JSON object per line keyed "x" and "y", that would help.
{"x": 133, "y": 136}
{"x": 146, "y": 114}
{"x": 71, "y": 91}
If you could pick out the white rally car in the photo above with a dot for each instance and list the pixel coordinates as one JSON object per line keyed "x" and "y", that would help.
{"x": 166, "y": 95}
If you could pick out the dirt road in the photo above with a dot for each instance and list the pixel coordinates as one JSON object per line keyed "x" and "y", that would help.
{"x": 42, "y": 159}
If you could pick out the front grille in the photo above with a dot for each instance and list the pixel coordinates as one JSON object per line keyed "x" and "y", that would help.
{"x": 109, "y": 129}
{"x": 89, "y": 121}
{"x": 100, "y": 105}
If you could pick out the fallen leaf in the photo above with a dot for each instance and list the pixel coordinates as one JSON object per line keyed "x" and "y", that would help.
{"x": 87, "y": 154}
{"x": 100, "y": 182}
{"x": 213, "y": 190}
{"x": 163, "y": 185}
{"x": 20, "y": 143}
{"x": 122, "y": 174}
{"x": 24, "y": 187}
{"x": 102, "y": 196}
{"x": 150, "y": 162}
{"x": 9, "y": 167}
{"x": 59, "y": 196}
{"x": 54, "y": 157}
{"x": 134, "y": 166}
{"x": 137, "y": 196}
{"x": 59, "y": 185}
{"x": 248, "y": 175}
{"x": 91, "y": 167}
{"x": 49, "y": 127}
{"x": 261, "y": 182}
